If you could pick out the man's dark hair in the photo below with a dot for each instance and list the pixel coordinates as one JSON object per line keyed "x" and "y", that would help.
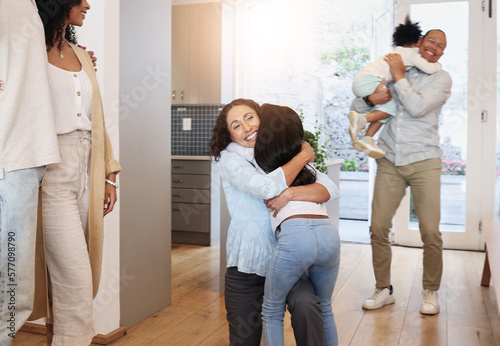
{"x": 427, "y": 33}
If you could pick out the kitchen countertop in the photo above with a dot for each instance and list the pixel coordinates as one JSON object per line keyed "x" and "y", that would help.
{"x": 207, "y": 158}
{"x": 188, "y": 157}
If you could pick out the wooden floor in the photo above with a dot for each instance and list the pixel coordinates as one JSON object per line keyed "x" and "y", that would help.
{"x": 468, "y": 317}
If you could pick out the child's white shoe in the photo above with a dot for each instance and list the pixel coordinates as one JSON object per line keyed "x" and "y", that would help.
{"x": 357, "y": 122}
{"x": 367, "y": 145}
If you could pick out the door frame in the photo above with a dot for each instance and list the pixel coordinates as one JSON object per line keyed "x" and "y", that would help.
{"x": 480, "y": 178}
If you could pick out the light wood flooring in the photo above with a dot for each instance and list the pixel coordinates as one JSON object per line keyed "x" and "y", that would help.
{"x": 469, "y": 314}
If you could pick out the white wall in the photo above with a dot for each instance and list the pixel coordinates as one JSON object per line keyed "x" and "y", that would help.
{"x": 227, "y": 55}
{"x": 134, "y": 75}
{"x": 145, "y": 88}
{"x": 100, "y": 33}
{"x": 189, "y": 2}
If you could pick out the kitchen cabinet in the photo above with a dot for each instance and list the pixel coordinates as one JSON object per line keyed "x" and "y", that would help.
{"x": 196, "y": 53}
{"x": 192, "y": 196}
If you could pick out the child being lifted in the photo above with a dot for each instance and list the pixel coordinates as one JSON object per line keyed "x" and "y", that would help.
{"x": 406, "y": 38}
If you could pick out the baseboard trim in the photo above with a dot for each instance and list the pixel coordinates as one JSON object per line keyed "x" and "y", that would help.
{"x": 99, "y": 339}
{"x": 34, "y": 328}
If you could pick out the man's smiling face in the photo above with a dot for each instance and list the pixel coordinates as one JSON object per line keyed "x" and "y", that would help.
{"x": 432, "y": 46}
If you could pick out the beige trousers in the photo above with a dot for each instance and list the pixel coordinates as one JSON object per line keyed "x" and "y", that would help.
{"x": 65, "y": 214}
{"x": 424, "y": 179}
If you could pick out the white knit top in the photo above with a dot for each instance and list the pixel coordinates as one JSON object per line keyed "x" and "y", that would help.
{"x": 72, "y": 99}
{"x": 297, "y": 208}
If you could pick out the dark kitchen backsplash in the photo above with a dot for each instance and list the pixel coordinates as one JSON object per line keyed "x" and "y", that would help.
{"x": 193, "y": 142}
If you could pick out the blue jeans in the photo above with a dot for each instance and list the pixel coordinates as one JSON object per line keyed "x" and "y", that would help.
{"x": 304, "y": 245}
{"x": 18, "y": 221}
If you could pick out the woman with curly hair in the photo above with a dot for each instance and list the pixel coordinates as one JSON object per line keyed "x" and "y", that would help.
{"x": 250, "y": 196}
{"x": 76, "y": 190}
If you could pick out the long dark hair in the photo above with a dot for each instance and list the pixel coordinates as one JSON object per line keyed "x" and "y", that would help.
{"x": 279, "y": 140}
{"x": 53, "y": 14}
{"x": 220, "y": 134}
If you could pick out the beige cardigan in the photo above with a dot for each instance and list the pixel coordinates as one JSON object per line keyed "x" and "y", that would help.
{"x": 102, "y": 164}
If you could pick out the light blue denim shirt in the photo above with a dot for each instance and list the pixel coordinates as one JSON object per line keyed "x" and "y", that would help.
{"x": 412, "y": 135}
{"x": 250, "y": 240}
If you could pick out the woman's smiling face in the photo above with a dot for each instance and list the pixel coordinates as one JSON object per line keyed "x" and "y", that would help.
{"x": 78, "y": 13}
{"x": 243, "y": 124}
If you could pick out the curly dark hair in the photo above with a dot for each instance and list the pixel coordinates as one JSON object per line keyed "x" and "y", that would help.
{"x": 53, "y": 14}
{"x": 220, "y": 134}
{"x": 406, "y": 34}
{"x": 280, "y": 139}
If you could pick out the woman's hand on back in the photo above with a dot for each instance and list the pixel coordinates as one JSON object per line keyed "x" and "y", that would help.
{"x": 295, "y": 165}
{"x": 277, "y": 203}
{"x": 309, "y": 151}
{"x": 91, "y": 55}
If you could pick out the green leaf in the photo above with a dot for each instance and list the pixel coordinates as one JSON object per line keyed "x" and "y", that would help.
{"x": 349, "y": 59}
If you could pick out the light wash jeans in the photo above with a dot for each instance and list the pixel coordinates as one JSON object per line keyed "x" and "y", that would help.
{"x": 304, "y": 245}
{"x": 18, "y": 218}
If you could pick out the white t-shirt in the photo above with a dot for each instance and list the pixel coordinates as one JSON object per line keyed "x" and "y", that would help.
{"x": 27, "y": 131}
{"x": 411, "y": 57}
{"x": 297, "y": 208}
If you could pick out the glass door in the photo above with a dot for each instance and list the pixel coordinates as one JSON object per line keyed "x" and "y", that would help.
{"x": 463, "y": 126}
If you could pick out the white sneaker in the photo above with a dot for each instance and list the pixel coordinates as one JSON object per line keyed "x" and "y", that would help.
{"x": 381, "y": 297}
{"x": 357, "y": 122}
{"x": 367, "y": 145}
{"x": 430, "y": 303}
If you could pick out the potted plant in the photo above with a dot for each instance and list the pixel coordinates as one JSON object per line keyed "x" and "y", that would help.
{"x": 313, "y": 139}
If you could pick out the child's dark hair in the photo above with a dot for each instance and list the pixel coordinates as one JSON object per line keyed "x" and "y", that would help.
{"x": 406, "y": 34}
{"x": 279, "y": 140}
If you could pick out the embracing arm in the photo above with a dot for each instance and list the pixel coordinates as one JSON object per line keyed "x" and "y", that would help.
{"x": 293, "y": 167}
{"x": 243, "y": 175}
{"x": 380, "y": 95}
{"x": 418, "y": 104}
{"x": 424, "y": 65}
{"x": 240, "y": 173}
{"x": 320, "y": 192}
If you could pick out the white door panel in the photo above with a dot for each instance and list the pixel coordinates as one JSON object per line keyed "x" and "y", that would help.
{"x": 467, "y": 140}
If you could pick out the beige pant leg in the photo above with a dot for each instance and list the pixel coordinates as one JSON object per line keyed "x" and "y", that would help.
{"x": 425, "y": 183}
{"x": 65, "y": 212}
{"x": 389, "y": 190}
